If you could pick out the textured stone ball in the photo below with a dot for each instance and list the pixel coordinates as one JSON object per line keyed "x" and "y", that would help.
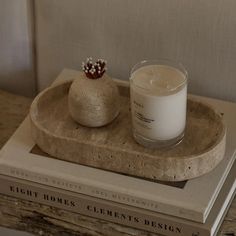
{"x": 93, "y": 102}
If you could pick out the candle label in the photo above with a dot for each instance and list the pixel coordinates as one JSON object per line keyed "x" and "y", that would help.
{"x": 141, "y": 117}
{"x": 158, "y": 117}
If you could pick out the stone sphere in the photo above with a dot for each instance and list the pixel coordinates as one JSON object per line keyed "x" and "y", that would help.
{"x": 93, "y": 102}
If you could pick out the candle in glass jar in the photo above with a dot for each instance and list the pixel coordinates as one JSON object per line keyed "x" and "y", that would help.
{"x": 158, "y": 103}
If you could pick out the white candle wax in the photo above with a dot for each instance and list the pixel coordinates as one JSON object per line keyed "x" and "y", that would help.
{"x": 158, "y": 102}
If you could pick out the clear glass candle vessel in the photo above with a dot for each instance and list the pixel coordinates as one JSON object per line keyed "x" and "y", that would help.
{"x": 158, "y": 91}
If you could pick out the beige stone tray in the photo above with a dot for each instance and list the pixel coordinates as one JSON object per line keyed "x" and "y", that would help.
{"x": 113, "y": 148}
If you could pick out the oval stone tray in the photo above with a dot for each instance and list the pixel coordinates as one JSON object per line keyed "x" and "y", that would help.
{"x": 113, "y": 148}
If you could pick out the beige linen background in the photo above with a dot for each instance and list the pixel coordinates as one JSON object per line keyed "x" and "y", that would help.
{"x": 199, "y": 33}
{"x": 16, "y": 47}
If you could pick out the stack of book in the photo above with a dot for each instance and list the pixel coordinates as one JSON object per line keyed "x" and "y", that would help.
{"x": 194, "y": 207}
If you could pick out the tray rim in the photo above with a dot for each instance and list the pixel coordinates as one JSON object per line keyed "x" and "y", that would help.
{"x": 190, "y": 97}
{"x": 220, "y": 140}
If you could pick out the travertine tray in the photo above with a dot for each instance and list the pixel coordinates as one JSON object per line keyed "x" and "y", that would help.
{"x": 113, "y": 148}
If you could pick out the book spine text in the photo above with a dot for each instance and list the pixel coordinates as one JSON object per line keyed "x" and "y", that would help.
{"x": 96, "y": 191}
{"x": 97, "y": 208}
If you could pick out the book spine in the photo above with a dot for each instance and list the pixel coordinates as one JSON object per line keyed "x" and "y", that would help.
{"x": 97, "y": 208}
{"x": 95, "y": 191}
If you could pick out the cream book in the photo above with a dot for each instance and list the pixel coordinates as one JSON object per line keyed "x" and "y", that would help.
{"x": 120, "y": 213}
{"x": 192, "y": 199}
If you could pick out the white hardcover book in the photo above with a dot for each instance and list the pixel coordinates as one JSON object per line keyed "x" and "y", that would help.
{"x": 193, "y": 200}
{"x": 121, "y": 213}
